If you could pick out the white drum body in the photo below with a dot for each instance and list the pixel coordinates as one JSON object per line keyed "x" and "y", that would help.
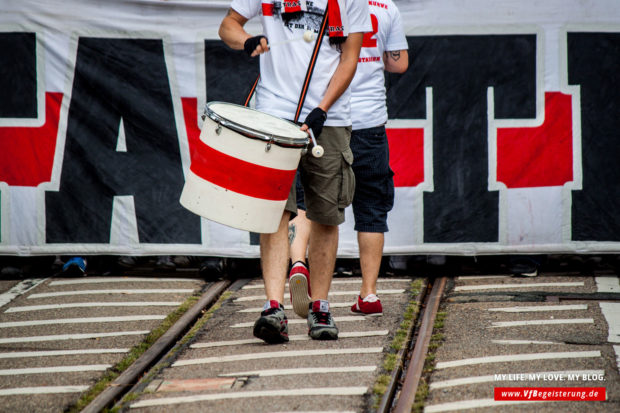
{"x": 243, "y": 168}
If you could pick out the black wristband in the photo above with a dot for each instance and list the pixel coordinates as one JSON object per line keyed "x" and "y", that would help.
{"x": 315, "y": 120}
{"x": 250, "y": 44}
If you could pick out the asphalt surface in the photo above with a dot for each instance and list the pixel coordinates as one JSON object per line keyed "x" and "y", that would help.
{"x": 499, "y": 330}
{"x": 61, "y": 335}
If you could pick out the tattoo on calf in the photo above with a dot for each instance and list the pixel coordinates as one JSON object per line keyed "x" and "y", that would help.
{"x": 291, "y": 233}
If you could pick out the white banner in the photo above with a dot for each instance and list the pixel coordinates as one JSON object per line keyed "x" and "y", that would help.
{"x": 504, "y": 132}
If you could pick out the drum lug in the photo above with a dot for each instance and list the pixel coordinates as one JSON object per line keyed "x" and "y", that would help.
{"x": 218, "y": 130}
{"x": 268, "y": 146}
{"x": 304, "y": 150}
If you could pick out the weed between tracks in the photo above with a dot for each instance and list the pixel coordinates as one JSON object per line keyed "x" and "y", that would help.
{"x": 391, "y": 360}
{"x": 429, "y": 363}
{"x": 207, "y": 314}
{"x": 133, "y": 355}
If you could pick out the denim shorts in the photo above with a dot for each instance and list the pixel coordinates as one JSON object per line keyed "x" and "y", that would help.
{"x": 328, "y": 182}
{"x": 374, "y": 189}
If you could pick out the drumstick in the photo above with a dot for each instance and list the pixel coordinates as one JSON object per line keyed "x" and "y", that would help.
{"x": 317, "y": 150}
{"x": 308, "y": 37}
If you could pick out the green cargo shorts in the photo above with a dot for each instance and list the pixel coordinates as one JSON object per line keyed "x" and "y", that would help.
{"x": 328, "y": 181}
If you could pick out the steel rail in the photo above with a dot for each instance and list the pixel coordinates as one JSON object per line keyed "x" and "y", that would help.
{"x": 418, "y": 356}
{"x": 129, "y": 377}
{"x": 388, "y": 397}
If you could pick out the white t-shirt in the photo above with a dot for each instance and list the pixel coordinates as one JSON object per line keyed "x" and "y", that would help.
{"x": 368, "y": 108}
{"x": 284, "y": 67}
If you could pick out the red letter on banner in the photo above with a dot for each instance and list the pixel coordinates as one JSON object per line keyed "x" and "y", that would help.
{"x": 190, "y": 111}
{"x": 539, "y": 156}
{"x": 406, "y": 155}
{"x": 27, "y": 154}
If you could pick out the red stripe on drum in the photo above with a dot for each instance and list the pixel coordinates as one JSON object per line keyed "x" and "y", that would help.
{"x": 240, "y": 176}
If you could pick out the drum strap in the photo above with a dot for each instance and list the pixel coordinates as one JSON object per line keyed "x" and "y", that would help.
{"x": 304, "y": 89}
{"x": 252, "y": 90}
{"x": 315, "y": 54}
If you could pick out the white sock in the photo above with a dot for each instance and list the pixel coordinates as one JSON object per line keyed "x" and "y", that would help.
{"x": 370, "y": 298}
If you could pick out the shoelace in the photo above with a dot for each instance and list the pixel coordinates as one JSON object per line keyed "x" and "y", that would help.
{"x": 321, "y": 318}
{"x": 269, "y": 311}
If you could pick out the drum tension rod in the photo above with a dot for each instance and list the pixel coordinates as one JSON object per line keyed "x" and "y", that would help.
{"x": 268, "y": 146}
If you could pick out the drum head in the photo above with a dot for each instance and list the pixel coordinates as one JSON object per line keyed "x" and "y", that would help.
{"x": 256, "y": 124}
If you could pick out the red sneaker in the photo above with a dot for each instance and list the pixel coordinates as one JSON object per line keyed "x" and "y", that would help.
{"x": 299, "y": 287}
{"x": 370, "y": 306}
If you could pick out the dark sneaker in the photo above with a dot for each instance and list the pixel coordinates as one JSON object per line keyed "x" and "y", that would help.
{"x": 164, "y": 263}
{"x": 530, "y": 273}
{"x": 213, "y": 268}
{"x": 370, "y": 306}
{"x": 127, "y": 261}
{"x": 272, "y": 326}
{"x": 182, "y": 261}
{"x": 523, "y": 266}
{"x": 57, "y": 264}
{"x": 299, "y": 287}
{"x": 320, "y": 322}
{"x": 75, "y": 266}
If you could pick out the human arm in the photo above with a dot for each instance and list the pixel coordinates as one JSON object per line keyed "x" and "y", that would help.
{"x": 341, "y": 79}
{"x": 396, "y": 61}
{"x": 232, "y": 32}
{"x": 395, "y": 56}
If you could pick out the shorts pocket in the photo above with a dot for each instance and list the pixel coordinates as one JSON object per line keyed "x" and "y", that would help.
{"x": 347, "y": 187}
{"x": 389, "y": 184}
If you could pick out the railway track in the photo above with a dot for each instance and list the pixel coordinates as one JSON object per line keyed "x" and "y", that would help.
{"x": 100, "y": 321}
{"x": 208, "y": 359}
{"x": 340, "y": 374}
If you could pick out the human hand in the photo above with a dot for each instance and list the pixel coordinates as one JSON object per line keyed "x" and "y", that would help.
{"x": 256, "y": 45}
{"x": 315, "y": 120}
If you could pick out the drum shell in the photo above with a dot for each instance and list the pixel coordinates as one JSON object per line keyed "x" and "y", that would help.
{"x": 256, "y": 212}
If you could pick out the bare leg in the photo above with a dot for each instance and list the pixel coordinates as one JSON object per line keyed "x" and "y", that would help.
{"x": 274, "y": 253}
{"x": 322, "y": 249}
{"x": 371, "y": 252}
{"x": 299, "y": 233}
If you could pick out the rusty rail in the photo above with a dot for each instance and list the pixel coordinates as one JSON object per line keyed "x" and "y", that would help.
{"x": 130, "y": 376}
{"x": 388, "y": 397}
{"x": 418, "y": 356}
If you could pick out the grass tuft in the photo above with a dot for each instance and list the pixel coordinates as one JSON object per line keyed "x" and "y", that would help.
{"x": 429, "y": 363}
{"x": 391, "y": 361}
{"x": 111, "y": 374}
{"x": 207, "y": 314}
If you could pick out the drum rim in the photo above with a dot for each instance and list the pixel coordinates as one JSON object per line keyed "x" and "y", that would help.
{"x": 251, "y": 132}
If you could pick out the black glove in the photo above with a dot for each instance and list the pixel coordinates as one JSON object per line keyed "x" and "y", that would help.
{"x": 250, "y": 44}
{"x": 315, "y": 121}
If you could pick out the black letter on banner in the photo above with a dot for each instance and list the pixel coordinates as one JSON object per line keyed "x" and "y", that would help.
{"x": 18, "y": 75}
{"x": 460, "y": 69}
{"x": 230, "y": 74}
{"x": 114, "y": 79}
{"x": 594, "y": 64}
